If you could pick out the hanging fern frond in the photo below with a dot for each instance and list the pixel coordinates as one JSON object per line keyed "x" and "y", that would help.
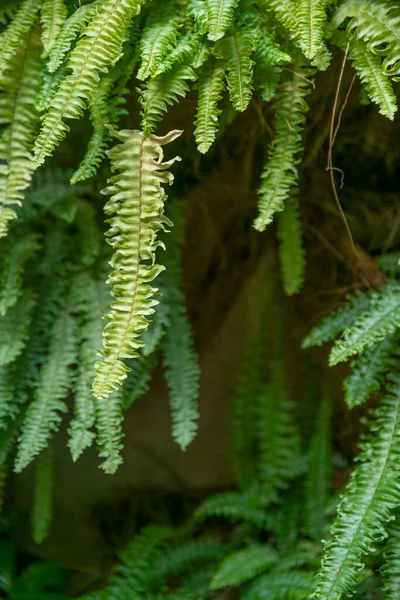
{"x": 280, "y": 173}
{"x": 382, "y": 318}
{"x": 42, "y": 496}
{"x": 291, "y": 250}
{"x": 52, "y": 17}
{"x": 285, "y": 11}
{"x": 219, "y": 17}
{"x": 17, "y": 31}
{"x": 139, "y": 378}
{"x": 365, "y": 509}
{"x": 236, "y": 50}
{"x": 98, "y": 48}
{"x": 311, "y": 19}
{"x": 211, "y": 85}
{"x": 12, "y": 269}
{"x": 109, "y": 417}
{"x": 268, "y": 57}
{"x": 136, "y": 215}
{"x": 243, "y": 565}
{"x": 19, "y": 84}
{"x": 14, "y": 329}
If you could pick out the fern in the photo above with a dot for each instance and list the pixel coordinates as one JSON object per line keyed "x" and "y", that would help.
{"x": 14, "y": 329}
{"x": 98, "y": 48}
{"x": 210, "y": 86}
{"x": 43, "y": 496}
{"x": 178, "y": 558}
{"x": 53, "y": 16}
{"x": 391, "y": 569}
{"x": 365, "y": 508}
{"x": 280, "y": 174}
{"x": 12, "y": 270}
{"x": 234, "y": 506}
{"x": 109, "y": 419}
{"x": 135, "y": 220}
{"x": 291, "y": 249}
{"x": 280, "y": 586}
{"x": 219, "y": 17}
{"x": 243, "y": 565}
{"x": 311, "y": 19}
{"x": 139, "y": 377}
{"x": 48, "y": 85}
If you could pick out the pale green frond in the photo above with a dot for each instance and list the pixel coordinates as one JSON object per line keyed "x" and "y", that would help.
{"x": 19, "y": 86}
{"x": 43, "y": 415}
{"x": 280, "y": 174}
{"x": 291, "y": 250}
{"x": 219, "y": 16}
{"x": 69, "y": 30}
{"x": 382, "y": 318}
{"x": 210, "y": 88}
{"x": 243, "y": 565}
{"x": 280, "y": 586}
{"x": 136, "y": 215}
{"x": 368, "y": 371}
{"x": 337, "y": 322}
{"x": 12, "y": 269}
{"x": 14, "y": 329}
{"x": 52, "y": 17}
{"x": 17, "y": 31}
{"x": 98, "y": 48}
{"x": 365, "y": 509}
{"x": 237, "y": 50}
{"x": 311, "y": 19}
{"x": 41, "y": 515}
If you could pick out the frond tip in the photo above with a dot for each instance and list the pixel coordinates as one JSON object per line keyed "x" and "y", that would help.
{"x": 136, "y": 209}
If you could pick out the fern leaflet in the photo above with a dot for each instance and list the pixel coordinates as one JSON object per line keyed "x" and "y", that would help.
{"x": 53, "y": 15}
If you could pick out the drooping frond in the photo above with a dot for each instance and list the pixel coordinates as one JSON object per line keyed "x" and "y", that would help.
{"x": 109, "y": 417}
{"x": 12, "y": 269}
{"x": 311, "y": 20}
{"x": 70, "y": 29}
{"x": 16, "y": 31}
{"x": 243, "y": 565}
{"x": 19, "y": 84}
{"x": 382, "y": 318}
{"x": 210, "y": 87}
{"x": 43, "y": 414}
{"x": 291, "y": 251}
{"x": 268, "y": 57}
{"x": 52, "y": 17}
{"x": 236, "y": 50}
{"x": 280, "y": 173}
{"x": 136, "y": 215}
{"x": 368, "y": 371}
{"x": 98, "y": 48}
{"x": 338, "y": 321}
{"x": 42, "y": 497}
{"x": 235, "y": 507}
{"x": 285, "y": 11}
{"x": 391, "y": 569}
{"x": 14, "y": 329}
{"x": 161, "y": 92}
{"x": 158, "y": 325}
{"x": 219, "y": 17}
{"x": 280, "y": 586}
{"x": 365, "y": 509}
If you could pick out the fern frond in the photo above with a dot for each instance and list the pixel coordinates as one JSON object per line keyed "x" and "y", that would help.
{"x": 181, "y": 557}
{"x": 16, "y": 31}
{"x": 337, "y": 322}
{"x": 389, "y": 263}
{"x": 14, "y": 329}
{"x": 19, "y": 83}
{"x": 12, "y": 269}
{"x": 139, "y": 378}
{"x": 243, "y": 565}
{"x": 280, "y": 173}
{"x": 69, "y": 30}
{"x": 42, "y": 417}
{"x": 109, "y": 417}
{"x": 368, "y": 371}
{"x": 41, "y": 516}
{"x": 157, "y": 328}
{"x": 382, "y": 318}
{"x": 161, "y": 92}
{"x": 391, "y": 569}
{"x": 211, "y": 84}
{"x": 49, "y": 83}
{"x": 268, "y": 57}
{"x": 52, "y": 17}
{"x": 311, "y": 18}
{"x": 291, "y": 251}
{"x": 136, "y": 215}
{"x": 236, "y": 50}
{"x": 365, "y": 508}
{"x": 234, "y": 506}
{"x": 98, "y": 48}
{"x": 280, "y": 586}
{"x": 285, "y": 11}
{"x": 219, "y": 17}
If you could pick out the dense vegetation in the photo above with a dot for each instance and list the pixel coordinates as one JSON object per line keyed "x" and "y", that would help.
{"x": 59, "y": 61}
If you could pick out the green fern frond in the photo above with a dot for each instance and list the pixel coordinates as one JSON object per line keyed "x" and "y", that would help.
{"x": 368, "y": 371}
{"x": 268, "y": 57}
{"x": 236, "y": 50}
{"x": 280, "y": 173}
{"x": 157, "y": 328}
{"x": 17, "y": 31}
{"x": 136, "y": 215}
{"x": 49, "y": 83}
{"x": 337, "y": 322}
{"x": 234, "y": 506}
{"x": 98, "y": 48}
{"x": 7, "y": 398}
{"x": 41, "y": 516}
{"x": 219, "y": 17}
{"x": 42, "y": 417}
{"x": 52, "y": 17}
{"x": 161, "y": 92}
{"x": 14, "y": 329}
{"x": 181, "y": 557}
{"x": 211, "y": 84}
{"x": 365, "y": 508}
{"x": 69, "y": 30}
{"x": 12, "y": 269}
{"x": 311, "y": 18}
{"x": 382, "y": 318}
{"x": 109, "y": 418}
{"x": 389, "y": 263}
{"x": 243, "y": 565}
{"x": 139, "y": 378}
{"x": 285, "y": 11}
{"x": 280, "y": 586}
{"x": 291, "y": 250}
{"x": 391, "y": 569}
{"x": 19, "y": 84}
